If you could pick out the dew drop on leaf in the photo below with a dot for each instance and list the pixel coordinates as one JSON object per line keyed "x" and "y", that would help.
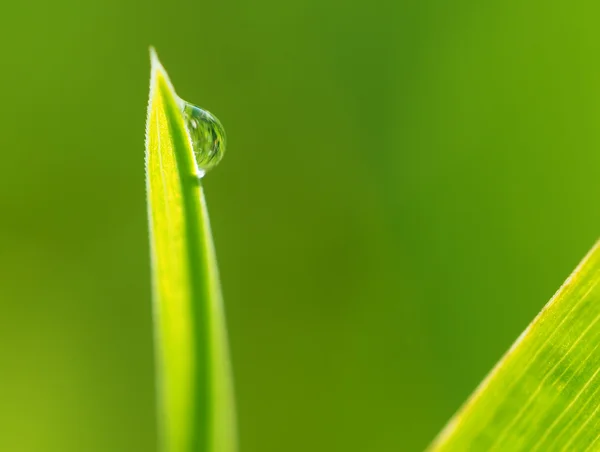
{"x": 207, "y": 135}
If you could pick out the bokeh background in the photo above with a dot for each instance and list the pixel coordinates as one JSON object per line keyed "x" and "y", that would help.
{"x": 406, "y": 185}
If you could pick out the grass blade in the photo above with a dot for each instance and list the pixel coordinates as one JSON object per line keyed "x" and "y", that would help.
{"x": 195, "y": 396}
{"x": 544, "y": 395}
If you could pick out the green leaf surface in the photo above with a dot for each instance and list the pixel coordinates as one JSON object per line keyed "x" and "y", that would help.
{"x": 195, "y": 396}
{"x": 544, "y": 395}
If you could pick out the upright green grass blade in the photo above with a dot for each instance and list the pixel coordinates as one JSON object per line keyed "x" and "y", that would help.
{"x": 544, "y": 395}
{"x": 196, "y": 409}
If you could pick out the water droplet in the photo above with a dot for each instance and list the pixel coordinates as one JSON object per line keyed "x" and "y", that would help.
{"x": 207, "y": 134}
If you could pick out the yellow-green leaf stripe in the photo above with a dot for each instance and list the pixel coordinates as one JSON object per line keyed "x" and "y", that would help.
{"x": 195, "y": 396}
{"x": 544, "y": 395}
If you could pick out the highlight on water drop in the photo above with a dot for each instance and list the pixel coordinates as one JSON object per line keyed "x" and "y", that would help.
{"x": 207, "y": 135}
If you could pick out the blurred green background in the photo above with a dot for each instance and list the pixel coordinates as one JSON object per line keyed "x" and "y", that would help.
{"x": 406, "y": 185}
